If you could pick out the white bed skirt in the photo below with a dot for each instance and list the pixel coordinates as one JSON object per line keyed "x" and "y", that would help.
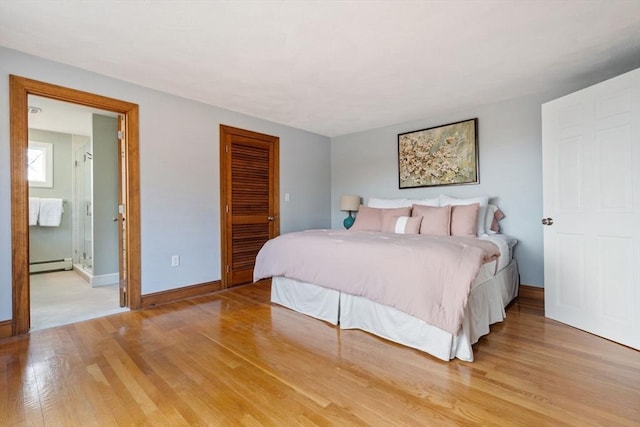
{"x": 485, "y": 306}
{"x": 306, "y": 298}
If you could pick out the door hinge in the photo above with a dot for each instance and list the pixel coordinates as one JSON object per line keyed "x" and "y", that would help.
{"x": 120, "y": 135}
{"x": 227, "y": 208}
{"x": 227, "y": 268}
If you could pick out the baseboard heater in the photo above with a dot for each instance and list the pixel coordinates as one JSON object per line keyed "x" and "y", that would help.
{"x": 52, "y": 265}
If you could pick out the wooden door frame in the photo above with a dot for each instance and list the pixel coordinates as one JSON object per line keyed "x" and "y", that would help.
{"x": 122, "y": 191}
{"x": 225, "y": 195}
{"x": 19, "y": 90}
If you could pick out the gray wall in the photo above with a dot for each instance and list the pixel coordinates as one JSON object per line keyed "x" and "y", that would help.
{"x": 510, "y": 171}
{"x": 52, "y": 243}
{"x": 179, "y": 174}
{"x": 510, "y": 135}
{"x": 105, "y": 194}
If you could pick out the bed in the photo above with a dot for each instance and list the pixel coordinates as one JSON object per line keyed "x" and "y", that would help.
{"x": 366, "y": 279}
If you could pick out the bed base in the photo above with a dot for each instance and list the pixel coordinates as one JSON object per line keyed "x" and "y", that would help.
{"x": 485, "y": 306}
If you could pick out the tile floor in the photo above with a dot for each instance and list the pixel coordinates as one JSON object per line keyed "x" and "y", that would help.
{"x": 63, "y": 297}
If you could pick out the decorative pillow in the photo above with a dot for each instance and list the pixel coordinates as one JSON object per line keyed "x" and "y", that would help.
{"x": 370, "y": 219}
{"x": 375, "y": 202}
{"x": 435, "y": 221}
{"x": 464, "y": 220}
{"x": 482, "y": 212}
{"x": 494, "y": 214}
{"x": 401, "y": 224}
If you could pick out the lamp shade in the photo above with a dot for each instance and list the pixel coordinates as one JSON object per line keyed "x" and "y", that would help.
{"x": 349, "y": 203}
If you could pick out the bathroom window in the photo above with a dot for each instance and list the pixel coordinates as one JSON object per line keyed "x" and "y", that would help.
{"x": 40, "y": 164}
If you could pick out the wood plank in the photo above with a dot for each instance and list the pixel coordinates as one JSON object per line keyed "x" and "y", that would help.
{"x": 6, "y": 328}
{"x": 531, "y": 297}
{"x": 232, "y": 358}
{"x": 172, "y": 295}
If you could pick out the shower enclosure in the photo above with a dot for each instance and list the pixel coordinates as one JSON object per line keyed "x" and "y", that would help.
{"x": 95, "y": 178}
{"x": 83, "y": 251}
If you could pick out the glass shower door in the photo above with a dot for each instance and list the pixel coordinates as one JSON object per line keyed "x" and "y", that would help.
{"x": 84, "y": 208}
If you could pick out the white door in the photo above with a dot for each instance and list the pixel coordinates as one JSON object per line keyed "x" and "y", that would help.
{"x": 591, "y": 183}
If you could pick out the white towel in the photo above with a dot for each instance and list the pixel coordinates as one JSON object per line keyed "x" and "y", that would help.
{"x": 34, "y": 210}
{"x": 50, "y": 212}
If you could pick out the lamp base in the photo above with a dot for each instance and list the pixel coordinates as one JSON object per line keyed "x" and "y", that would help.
{"x": 348, "y": 221}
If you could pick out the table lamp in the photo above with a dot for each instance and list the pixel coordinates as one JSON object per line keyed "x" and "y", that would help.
{"x": 350, "y": 204}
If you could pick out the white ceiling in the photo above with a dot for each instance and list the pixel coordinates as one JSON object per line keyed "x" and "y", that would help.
{"x": 335, "y": 67}
{"x": 64, "y": 117}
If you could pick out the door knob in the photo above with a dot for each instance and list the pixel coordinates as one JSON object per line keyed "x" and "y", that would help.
{"x": 114, "y": 219}
{"x": 547, "y": 221}
{"x": 271, "y": 218}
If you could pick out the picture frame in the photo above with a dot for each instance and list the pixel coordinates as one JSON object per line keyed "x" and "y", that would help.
{"x": 440, "y": 155}
{"x": 40, "y": 164}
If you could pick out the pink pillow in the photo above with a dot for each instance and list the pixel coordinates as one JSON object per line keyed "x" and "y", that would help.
{"x": 401, "y": 224}
{"x": 435, "y": 221}
{"x": 497, "y": 216}
{"x": 464, "y": 220}
{"x": 370, "y": 219}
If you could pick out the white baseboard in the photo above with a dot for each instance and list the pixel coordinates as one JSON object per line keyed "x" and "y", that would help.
{"x": 105, "y": 280}
{"x": 97, "y": 281}
{"x": 56, "y": 265}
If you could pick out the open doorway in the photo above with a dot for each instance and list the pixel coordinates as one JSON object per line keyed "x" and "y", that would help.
{"x": 73, "y": 164}
{"x": 128, "y": 210}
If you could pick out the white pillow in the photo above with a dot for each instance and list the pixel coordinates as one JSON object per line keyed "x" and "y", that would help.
{"x": 376, "y": 202}
{"x": 379, "y": 203}
{"x": 435, "y": 203}
{"x": 488, "y": 221}
{"x": 482, "y": 212}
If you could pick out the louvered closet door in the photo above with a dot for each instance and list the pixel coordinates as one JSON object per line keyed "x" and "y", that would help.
{"x": 249, "y": 165}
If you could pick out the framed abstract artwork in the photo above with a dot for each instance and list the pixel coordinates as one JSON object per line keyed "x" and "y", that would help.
{"x": 441, "y": 155}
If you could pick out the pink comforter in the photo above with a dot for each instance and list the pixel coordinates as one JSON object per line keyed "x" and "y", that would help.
{"x": 428, "y": 277}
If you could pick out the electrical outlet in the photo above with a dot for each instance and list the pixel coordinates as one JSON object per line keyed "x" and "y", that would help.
{"x": 175, "y": 260}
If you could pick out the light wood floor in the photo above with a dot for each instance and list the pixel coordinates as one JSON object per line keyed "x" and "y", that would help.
{"x": 234, "y": 359}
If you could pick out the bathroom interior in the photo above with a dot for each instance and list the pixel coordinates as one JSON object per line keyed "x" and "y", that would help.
{"x": 73, "y": 200}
